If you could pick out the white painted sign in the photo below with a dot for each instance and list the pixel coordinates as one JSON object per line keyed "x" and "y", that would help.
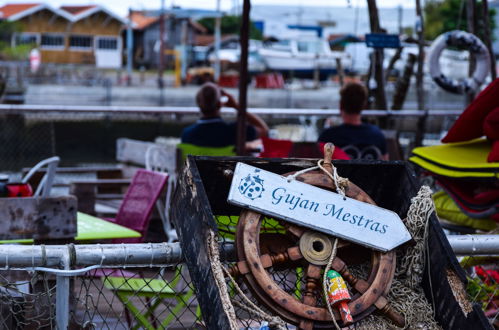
{"x": 34, "y": 60}
{"x": 316, "y": 208}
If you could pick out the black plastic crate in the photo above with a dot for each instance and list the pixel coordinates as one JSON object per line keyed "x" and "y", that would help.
{"x": 202, "y": 192}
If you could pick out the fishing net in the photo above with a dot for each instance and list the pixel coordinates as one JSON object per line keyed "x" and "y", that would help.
{"x": 406, "y": 295}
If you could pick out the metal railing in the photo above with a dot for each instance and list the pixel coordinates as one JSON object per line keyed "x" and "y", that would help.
{"x": 170, "y": 110}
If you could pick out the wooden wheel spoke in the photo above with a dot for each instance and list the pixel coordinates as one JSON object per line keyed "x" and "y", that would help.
{"x": 358, "y": 284}
{"x": 313, "y": 272}
{"x": 312, "y": 284}
{"x": 343, "y": 244}
{"x": 294, "y": 253}
{"x": 297, "y": 231}
{"x": 268, "y": 260}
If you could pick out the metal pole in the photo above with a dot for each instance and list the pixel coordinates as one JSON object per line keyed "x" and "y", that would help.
{"x": 15, "y": 109}
{"x": 156, "y": 254}
{"x": 486, "y": 30}
{"x": 129, "y": 48}
{"x": 400, "y": 14}
{"x": 218, "y": 27}
{"x": 471, "y": 20}
{"x": 419, "y": 74}
{"x": 474, "y": 244}
{"x": 54, "y": 256}
{"x": 421, "y": 125}
{"x": 62, "y": 296}
{"x": 161, "y": 64}
{"x": 183, "y": 52}
{"x": 243, "y": 79}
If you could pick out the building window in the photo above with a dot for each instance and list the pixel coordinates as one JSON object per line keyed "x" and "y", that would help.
{"x": 80, "y": 42}
{"x": 52, "y": 41}
{"x": 26, "y": 39}
{"x": 107, "y": 43}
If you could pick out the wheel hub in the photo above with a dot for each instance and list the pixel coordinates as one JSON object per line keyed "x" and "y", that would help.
{"x": 316, "y": 247}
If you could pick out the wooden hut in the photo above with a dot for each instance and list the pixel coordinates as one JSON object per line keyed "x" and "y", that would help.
{"x": 71, "y": 34}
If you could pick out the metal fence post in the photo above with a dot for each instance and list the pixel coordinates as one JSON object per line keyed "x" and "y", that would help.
{"x": 62, "y": 296}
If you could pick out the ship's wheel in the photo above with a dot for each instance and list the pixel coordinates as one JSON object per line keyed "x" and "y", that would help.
{"x": 297, "y": 248}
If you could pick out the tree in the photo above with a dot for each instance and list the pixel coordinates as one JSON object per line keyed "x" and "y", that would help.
{"x": 442, "y": 16}
{"x": 19, "y": 52}
{"x": 230, "y": 25}
{"x": 8, "y": 28}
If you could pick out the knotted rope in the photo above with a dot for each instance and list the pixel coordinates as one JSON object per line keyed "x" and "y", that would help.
{"x": 216, "y": 268}
{"x": 219, "y": 270}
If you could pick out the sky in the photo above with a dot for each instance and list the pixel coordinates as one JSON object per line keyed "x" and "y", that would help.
{"x": 121, "y": 6}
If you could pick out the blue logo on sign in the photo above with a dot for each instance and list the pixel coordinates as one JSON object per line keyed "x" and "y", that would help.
{"x": 251, "y": 186}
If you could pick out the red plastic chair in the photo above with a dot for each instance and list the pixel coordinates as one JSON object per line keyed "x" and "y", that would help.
{"x": 337, "y": 154}
{"x": 273, "y": 148}
{"x": 139, "y": 202}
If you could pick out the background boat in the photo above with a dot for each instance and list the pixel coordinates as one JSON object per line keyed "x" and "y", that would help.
{"x": 302, "y": 58}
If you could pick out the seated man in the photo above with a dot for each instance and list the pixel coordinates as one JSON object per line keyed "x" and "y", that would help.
{"x": 354, "y": 133}
{"x": 211, "y": 130}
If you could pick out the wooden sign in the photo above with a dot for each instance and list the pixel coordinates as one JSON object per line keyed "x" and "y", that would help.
{"x": 39, "y": 218}
{"x": 305, "y": 205}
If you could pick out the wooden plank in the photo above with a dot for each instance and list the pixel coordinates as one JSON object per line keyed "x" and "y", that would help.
{"x": 77, "y": 170}
{"x": 132, "y": 151}
{"x": 89, "y": 191}
{"x": 193, "y": 219}
{"x": 38, "y": 218}
{"x": 103, "y": 182}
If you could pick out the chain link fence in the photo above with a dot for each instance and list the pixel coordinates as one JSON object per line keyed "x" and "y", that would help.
{"x": 88, "y": 134}
{"x": 150, "y": 289}
{"x": 76, "y": 137}
{"x": 146, "y": 286}
{"x": 149, "y": 297}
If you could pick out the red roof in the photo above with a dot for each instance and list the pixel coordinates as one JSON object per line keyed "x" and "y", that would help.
{"x": 75, "y": 10}
{"x": 141, "y": 21}
{"x": 12, "y": 9}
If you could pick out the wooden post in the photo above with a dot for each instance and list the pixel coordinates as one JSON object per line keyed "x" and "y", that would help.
{"x": 403, "y": 83}
{"x": 392, "y": 62}
{"x": 316, "y": 73}
{"x": 471, "y": 22}
{"x": 380, "y": 95}
{"x": 486, "y": 36}
{"x": 243, "y": 79}
{"x": 341, "y": 72}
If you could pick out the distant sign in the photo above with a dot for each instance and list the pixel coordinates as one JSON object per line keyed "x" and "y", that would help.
{"x": 382, "y": 40}
{"x": 34, "y": 60}
{"x": 316, "y": 208}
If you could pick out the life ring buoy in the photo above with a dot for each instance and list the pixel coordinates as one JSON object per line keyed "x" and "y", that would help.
{"x": 475, "y": 46}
